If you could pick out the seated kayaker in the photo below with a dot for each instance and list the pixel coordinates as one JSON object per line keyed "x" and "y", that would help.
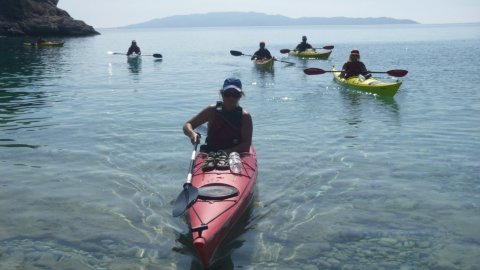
{"x": 133, "y": 48}
{"x": 230, "y": 127}
{"x": 354, "y": 67}
{"x": 303, "y": 46}
{"x": 41, "y": 40}
{"x": 262, "y": 53}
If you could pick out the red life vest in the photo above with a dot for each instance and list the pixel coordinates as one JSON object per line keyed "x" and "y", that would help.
{"x": 225, "y": 130}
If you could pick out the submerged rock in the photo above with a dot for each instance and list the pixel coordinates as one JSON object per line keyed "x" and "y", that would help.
{"x": 39, "y": 18}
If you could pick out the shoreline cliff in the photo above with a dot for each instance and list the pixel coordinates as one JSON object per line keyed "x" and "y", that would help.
{"x": 39, "y": 18}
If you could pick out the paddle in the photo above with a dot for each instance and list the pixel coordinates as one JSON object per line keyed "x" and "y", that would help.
{"x": 237, "y": 53}
{"x": 393, "y": 72}
{"x": 156, "y": 55}
{"x": 328, "y": 47}
{"x": 189, "y": 193}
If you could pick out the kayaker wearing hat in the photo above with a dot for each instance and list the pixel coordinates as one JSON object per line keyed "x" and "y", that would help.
{"x": 133, "y": 48}
{"x": 354, "y": 66}
{"x": 262, "y": 53}
{"x": 303, "y": 46}
{"x": 230, "y": 127}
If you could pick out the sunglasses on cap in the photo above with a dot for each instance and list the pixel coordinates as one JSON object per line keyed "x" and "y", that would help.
{"x": 232, "y": 93}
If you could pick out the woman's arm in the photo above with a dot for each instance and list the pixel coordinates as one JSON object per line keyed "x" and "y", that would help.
{"x": 269, "y": 55}
{"x": 365, "y": 72}
{"x": 344, "y": 70}
{"x": 197, "y": 120}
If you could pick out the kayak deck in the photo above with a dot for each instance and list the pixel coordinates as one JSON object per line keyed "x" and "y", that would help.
{"x": 134, "y": 56}
{"x": 212, "y": 219}
{"x": 311, "y": 54}
{"x": 370, "y": 85}
{"x": 264, "y": 63}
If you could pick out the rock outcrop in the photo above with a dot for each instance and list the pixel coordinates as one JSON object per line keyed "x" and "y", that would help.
{"x": 39, "y": 18}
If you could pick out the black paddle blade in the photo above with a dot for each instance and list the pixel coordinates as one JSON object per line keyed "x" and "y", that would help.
{"x": 397, "y": 72}
{"x": 157, "y": 55}
{"x": 284, "y": 50}
{"x": 236, "y": 53}
{"x": 184, "y": 200}
{"x": 313, "y": 71}
{"x": 328, "y": 47}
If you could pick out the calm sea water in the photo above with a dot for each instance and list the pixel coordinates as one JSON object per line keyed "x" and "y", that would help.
{"x": 92, "y": 154}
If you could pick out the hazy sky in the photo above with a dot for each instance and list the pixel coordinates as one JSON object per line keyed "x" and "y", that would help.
{"x": 111, "y": 13}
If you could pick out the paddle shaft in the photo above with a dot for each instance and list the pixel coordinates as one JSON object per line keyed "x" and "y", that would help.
{"x": 237, "y": 53}
{"x": 329, "y": 47}
{"x": 367, "y": 71}
{"x": 192, "y": 160}
{"x": 156, "y": 55}
{"x": 393, "y": 72}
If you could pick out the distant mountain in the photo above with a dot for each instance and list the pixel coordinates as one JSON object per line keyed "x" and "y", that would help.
{"x": 226, "y": 19}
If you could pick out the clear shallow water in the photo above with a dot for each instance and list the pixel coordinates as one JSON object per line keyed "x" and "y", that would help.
{"x": 92, "y": 154}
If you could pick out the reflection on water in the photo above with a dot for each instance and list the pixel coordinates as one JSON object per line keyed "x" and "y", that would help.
{"x": 223, "y": 257}
{"x": 303, "y": 63}
{"x": 353, "y": 103}
{"x": 28, "y": 66}
{"x": 264, "y": 77}
{"x": 22, "y": 72}
{"x": 134, "y": 65}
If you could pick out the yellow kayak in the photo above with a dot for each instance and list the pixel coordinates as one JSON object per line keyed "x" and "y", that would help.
{"x": 43, "y": 44}
{"x": 265, "y": 63}
{"x": 371, "y": 85}
{"x": 311, "y": 54}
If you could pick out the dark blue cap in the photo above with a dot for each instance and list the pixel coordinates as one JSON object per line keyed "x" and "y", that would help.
{"x": 232, "y": 83}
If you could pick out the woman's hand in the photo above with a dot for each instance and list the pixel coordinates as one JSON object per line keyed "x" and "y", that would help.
{"x": 195, "y": 138}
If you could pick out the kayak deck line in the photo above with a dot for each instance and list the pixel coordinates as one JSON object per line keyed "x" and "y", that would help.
{"x": 234, "y": 202}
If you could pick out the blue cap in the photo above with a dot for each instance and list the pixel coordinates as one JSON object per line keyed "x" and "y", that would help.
{"x": 232, "y": 83}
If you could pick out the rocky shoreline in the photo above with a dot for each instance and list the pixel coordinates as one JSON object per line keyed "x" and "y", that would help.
{"x": 39, "y": 18}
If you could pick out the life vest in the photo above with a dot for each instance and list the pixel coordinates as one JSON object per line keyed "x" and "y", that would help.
{"x": 354, "y": 69}
{"x": 225, "y": 130}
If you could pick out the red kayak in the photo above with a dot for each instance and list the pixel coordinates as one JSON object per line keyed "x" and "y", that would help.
{"x": 223, "y": 198}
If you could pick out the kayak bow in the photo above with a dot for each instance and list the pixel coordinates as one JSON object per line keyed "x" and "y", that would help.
{"x": 265, "y": 63}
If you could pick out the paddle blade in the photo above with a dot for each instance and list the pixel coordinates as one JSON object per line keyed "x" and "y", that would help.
{"x": 313, "y": 71}
{"x": 184, "y": 200}
{"x": 397, "y": 72}
{"x": 284, "y": 50}
{"x": 110, "y": 52}
{"x": 328, "y": 47}
{"x": 157, "y": 55}
{"x": 236, "y": 53}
